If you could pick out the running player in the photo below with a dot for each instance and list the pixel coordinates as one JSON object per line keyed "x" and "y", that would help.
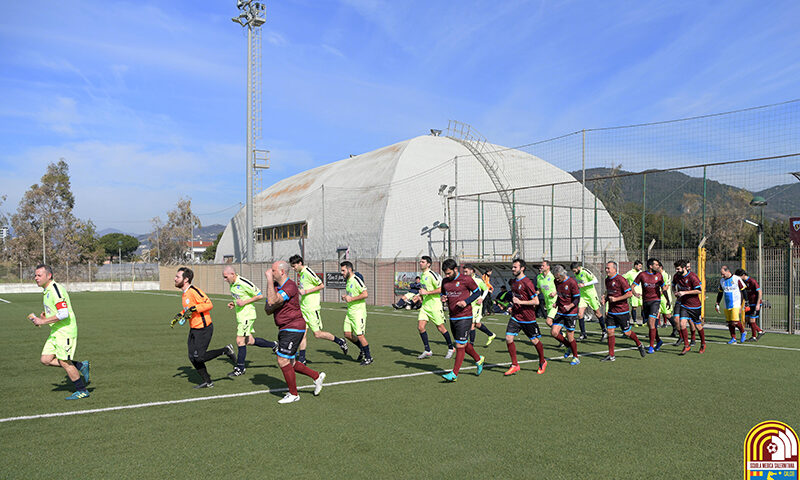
{"x": 523, "y": 317}
{"x": 569, "y": 296}
{"x": 687, "y": 308}
{"x": 636, "y": 300}
{"x": 196, "y": 307}
{"x": 244, "y": 294}
{"x": 651, "y": 287}
{"x": 59, "y": 349}
{"x": 586, "y": 282}
{"x": 310, "y": 286}
{"x": 355, "y": 322}
{"x": 545, "y": 283}
{"x": 667, "y": 299}
{"x": 753, "y": 310}
{"x": 283, "y": 302}
{"x": 477, "y": 306}
{"x": 730, "y": 287}
{"x": 618, "y": 291}
{"x": 432, "y": 309}
{"x": 460, "y": 291}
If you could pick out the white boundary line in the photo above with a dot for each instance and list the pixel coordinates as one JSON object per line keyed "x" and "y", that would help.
{"x": 4, "y": 301}
{"x": 332, "y": 384}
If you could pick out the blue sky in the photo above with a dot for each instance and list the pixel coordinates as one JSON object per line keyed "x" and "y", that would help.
{"x": 146, "y": 100}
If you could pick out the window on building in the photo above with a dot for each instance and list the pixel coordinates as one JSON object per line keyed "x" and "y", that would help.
{"x": 287, "y": 231}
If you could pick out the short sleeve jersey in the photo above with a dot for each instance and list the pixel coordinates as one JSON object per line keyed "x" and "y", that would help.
{"x": 731, "y": 289}
{"x": 309, "y": 279}
{"x": 685, "y": 283}
{"x": 547, "y": 285}
{"x": 617, "y": 286}
{"x": 244, "y": 289}
{"x": 55, "y": 297}
{"x": 585, "y": 276}
{"x": 752, "y": 290}
{"x": 568, "y": 292}
{"x": 194, "y": 297}
{"x": 431, "y": 280}
{"x": 651, "y": 285}
{"x": 355, "y": 287}
{"x": 524, "y": 289}
{"x": 288, "y": 315}
{"x": 455, "y": 290}
{"x": 631, "y": 276}
{"x": 668, "y": 283}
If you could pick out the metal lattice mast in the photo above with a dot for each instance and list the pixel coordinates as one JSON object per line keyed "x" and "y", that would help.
{"x": 252, "y": 16}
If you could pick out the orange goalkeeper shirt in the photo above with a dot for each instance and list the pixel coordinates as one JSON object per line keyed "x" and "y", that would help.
{"x": 193, "y": 297}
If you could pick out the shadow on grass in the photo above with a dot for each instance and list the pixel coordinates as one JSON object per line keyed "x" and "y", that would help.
{"x": 403, "y": 350}
{"x": 336, "y": 354}
{"x": 425, "y": 367}
{"x": 264, "y": 380}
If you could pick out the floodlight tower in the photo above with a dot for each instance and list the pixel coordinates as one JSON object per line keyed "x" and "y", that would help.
{"x": 252, "y": 16}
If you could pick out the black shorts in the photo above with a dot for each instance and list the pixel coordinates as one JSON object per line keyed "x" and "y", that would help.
{"x": 752, "y": 314}
{"x": 531, "y": 329}
{"x": 621, "y": 320}
{"x": 288, "y": 341}
{"x": 651, "y": 309}
{"x": 692, "y": 314}
{"x": 460, "y": 330}
{"x": 567, "y": 321}
{"x": 199, "y": 338}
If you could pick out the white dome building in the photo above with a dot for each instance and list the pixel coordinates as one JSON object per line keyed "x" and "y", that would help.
{"x": 376, "y": 204}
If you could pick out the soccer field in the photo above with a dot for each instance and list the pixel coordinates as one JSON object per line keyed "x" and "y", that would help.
{"x": 664, "y": 416}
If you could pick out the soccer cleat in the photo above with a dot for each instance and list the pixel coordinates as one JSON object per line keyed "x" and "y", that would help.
{"x": 542, "y": 368}
{"x": 604, "y": 336}
{"x": 702, "y": 348}
{"x": 289, "y": 398}
{"x": 761, "y": 334}
{"x": 685, "y": 350}
{"x": 677, "y": 342}
{"x": 658, "y": 344}
{"x": 450, "y": 353}
{"x": 318, "y": 383}
{"x": 230, "y": 352}
{"x": 641, "y": 350}
{"x": 85, "y": 370}
{"x": 651, "y": 350}
{"x": 731, "y": 341}
{"x": 367, "y": 361}
{"x": 205, "y": 385}
{"x": 450, "y": 377}
{"x": 425, "y": 354}
{"x": 511, "y": 371}
{"x": 78, "y": 395}
{"x": 567, "y": 353}
{"x": 575, "y": 361}
{"x": 489, "y": 340}
{"x": 360, "y": 357}
{"x": 609, "y": 358}
{"x": 752, "y": 339}
{"x": 744, "y": 336}
{"x": 479, "y": 363}
{"x": 237, "y": 372}
{"x": 343, "y": 346}
{"x": 582, "y": 337}
{"x": 691, "y": 344}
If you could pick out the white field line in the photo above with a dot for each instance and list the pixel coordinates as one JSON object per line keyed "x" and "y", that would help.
{"x": 331, "y": 384}
{"x": 4, "y": 301}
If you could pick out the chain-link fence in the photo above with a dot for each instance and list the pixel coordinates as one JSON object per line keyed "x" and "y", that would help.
{"x": 90, "y": 273}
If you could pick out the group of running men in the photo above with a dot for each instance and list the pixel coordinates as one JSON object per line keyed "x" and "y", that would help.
{"x": 559, "y": 298}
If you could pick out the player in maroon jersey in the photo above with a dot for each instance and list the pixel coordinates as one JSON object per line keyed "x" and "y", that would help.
{"x": 652, "y": 283}
{"x": 283, "y": 301}
{"x": 569, "y": 295}
{"x": 523, "y": 316}
{"x": 687, "y": 308}
{"x": 618, "y": 311}
{"x": 753, "y": 296}
{"x": 459, "y": 291}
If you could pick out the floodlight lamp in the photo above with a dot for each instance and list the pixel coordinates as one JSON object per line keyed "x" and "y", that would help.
{"x": 758, "y": 202}
{"x": 451, "y": 190}
{"x": 435, "y": 132}
{"x": 443, "y": 226}
{"x": 442, "y": 188}
{"x": 750, "y": 222}
{"x": 436, "y": 224}
{"x": 424, "y": 230}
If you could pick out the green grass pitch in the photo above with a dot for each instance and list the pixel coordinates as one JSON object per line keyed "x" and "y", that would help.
{"x": 663, "y": 416}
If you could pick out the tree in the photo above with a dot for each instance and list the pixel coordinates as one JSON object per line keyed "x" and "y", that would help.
{"x": 172, "y": 239}
{"x": 112, "y": 243}
{"x": 211, "y": 252}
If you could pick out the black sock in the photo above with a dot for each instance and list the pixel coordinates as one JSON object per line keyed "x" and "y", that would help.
{"x": 582, "y": 322}
{"x": 424, "y": 337}
{"x": 365, "y": 349}
{"x": 633, "y": 314}
{"x": 301, "y": 356}
{"x": 472, "y": 336}
{"x": 447, "y": 339}
{"x": 339, "y": 341}
{"x": 483, "y": 328}
{"x": 263, "y": 343}
{"x": 201, "y": 369}
{"x": 79, "y": 385}
{"x": 602, "y": 323}
{"x": 78, "y": 365}
{"x": 242, "y": 356}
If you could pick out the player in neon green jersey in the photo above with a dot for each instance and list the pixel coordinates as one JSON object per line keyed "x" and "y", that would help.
{"x": 244, "y": 294}
{"x": 355, "y": 323}
{"x": 586, "y": 282}
{"x": 59, "y": 350}
{"x": 667, "y": 298}
{"x": 546, "y": 284}
{"x": 431, "y": 310}
{"x": 634, "y": 301}
{"x": 477, "y": 306}
{"x": 310, "y": 287}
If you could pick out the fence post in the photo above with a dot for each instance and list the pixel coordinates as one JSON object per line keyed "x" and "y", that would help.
{"x": 790, "y": 283}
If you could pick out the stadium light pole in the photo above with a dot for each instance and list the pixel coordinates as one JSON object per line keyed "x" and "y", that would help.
{"x": 252, "y": 16}
{"x": 759, "y": 202}
{"x": 119, "y": 246}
